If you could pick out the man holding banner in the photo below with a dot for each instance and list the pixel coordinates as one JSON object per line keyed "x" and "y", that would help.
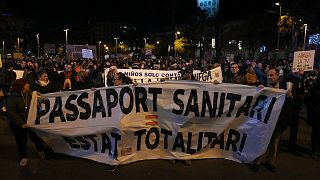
{"x": 180, "y": 120}
{"x": 285, "y": 117}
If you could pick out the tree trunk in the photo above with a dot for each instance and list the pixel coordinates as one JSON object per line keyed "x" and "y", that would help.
{"x": 293, "y": 38}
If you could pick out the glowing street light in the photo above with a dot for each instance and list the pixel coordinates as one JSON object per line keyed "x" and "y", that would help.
{"x": 18, "y": 40}
{"x": 66, "y": 30}
{"x": 116, "y": 38}
{"x": 280, "y": 9}
{"x": 305, "y": 35}
{"x": 3, "y": 48}
{"x": 145, "y": 42}
{"x": 177, "y": 33}
{"x": 158, "y": 42}
{"x": 176, "y": 37}
{"x": 37, "y": 35}
{"x": 99, "y": 49}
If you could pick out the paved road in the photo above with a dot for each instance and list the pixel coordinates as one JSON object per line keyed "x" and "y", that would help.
{"x": 59, "y": 166}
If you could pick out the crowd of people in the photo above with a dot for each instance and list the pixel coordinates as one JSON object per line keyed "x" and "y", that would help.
{"x": 58, "y": 74}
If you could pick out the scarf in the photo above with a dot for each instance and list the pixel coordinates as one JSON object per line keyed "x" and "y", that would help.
{"x": 43, "y": 83}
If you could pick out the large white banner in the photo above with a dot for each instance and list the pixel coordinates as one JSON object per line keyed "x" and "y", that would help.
{"x": 168, "y": 120}
{"x": 146, "y": 76}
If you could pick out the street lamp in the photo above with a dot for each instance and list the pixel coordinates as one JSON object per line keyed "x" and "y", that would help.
{"x": 305, "y": 36}
{"x": 107, "y": 48}
{"x": 99, "y": 49}
{"x": 3, "y": 48}
{"x": 66, "y": 30}
{"x": 37, "y": 35}
{"x": 176, "y": 37}
{"x": 201, "y": 46}
{"x": 145, "y": 42}
{"x": 18, "y": 39}
{"x": 280, "y": 9}
{"x": 116, "y": 38}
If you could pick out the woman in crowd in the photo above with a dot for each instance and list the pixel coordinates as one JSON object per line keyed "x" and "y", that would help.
{"x": 84, "y": 81}
{"x": 121, "y": 79}
{"x": 110, "y": 76}
{"x": 18, "y": 108}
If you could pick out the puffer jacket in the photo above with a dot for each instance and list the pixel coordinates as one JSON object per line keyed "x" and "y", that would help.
{"x": 18, "y": 108}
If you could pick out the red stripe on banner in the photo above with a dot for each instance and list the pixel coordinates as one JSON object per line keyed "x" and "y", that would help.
{"x": 151, "y": 116}
{"x": 151, "y": 123}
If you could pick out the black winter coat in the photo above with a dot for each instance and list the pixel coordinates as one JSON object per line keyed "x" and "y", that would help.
{"x": 286, "y": 113}
{"x": 312, "y": 101}
{"x": 49, "y": 88}
{"x": 18, "y": 108}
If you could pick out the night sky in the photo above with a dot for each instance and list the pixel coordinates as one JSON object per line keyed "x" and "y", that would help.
{"x": 146, "y": 13}
{"x": 154, "y": 12}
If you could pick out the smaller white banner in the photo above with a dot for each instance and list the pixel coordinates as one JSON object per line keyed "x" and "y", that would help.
{"x": 19, "y": 73}
{"x": 145, "y": 76}
{"x": 87, "y": 53}
{"x": 303, "y": 60}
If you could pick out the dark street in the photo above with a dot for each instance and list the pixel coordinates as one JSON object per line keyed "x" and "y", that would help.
{"x": 59, "y": 166}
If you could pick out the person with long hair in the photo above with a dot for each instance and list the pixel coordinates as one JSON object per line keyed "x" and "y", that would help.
{"x": 121, "y": 79}
{"x": 17, "y": 108}
{"x": 110, "y": 76}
